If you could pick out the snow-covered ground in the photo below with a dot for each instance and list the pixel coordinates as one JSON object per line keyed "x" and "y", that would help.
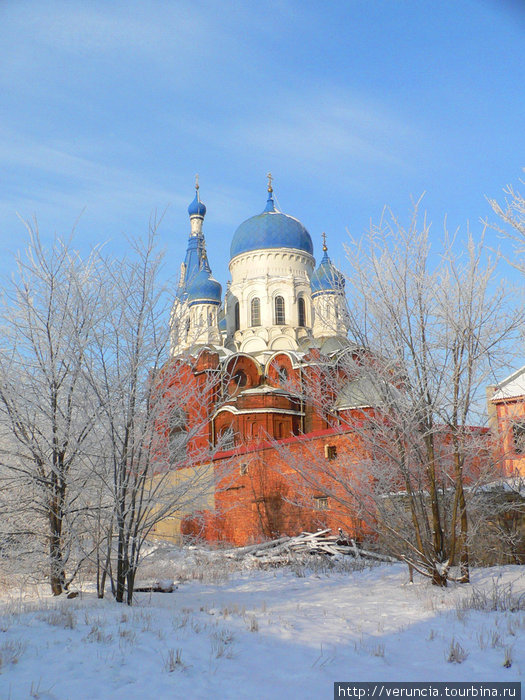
{"x": 245, "y": 633}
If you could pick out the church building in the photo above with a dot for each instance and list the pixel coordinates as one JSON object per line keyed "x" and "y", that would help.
{"x": 255, "y": 361}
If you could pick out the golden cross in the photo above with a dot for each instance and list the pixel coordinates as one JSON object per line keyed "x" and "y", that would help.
{"x": 270, "y": 178}
{"x": 197, "y": 181}
{"x": 324, "y": 242}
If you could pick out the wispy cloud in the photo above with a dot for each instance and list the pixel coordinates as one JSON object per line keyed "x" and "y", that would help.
{"x": 323, "y": 129}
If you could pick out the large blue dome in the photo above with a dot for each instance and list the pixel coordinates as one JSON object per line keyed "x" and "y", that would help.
{"x": 271, "y": 229}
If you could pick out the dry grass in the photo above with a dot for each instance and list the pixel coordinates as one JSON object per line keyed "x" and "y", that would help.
{"x": 60, "y": 618}
{"x": 173, "y": 661}
{"x": 500, "y": 598}
{"x": 10, "y": 652}
{"x": 456, "y": 653}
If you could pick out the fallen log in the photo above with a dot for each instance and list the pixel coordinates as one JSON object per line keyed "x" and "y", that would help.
{"x": 321, "y": 542}
{"x": 156, "y": 587}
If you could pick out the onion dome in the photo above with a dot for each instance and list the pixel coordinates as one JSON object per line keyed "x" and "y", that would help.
{"x": 270, "y": 229}
{"x": 327, "y": 279}
{"x": 197, "y": 208}
{"x": 203, "y": 289}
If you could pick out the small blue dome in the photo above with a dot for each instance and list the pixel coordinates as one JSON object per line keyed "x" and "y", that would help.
{"x": 197, "y": 208}
{"x": 271, "y": 229}
{"x": 204, "y": 289}
{"x": 327, "y": 278}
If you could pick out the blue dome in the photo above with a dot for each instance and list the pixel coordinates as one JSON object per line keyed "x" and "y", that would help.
{"x": 327, "y": 278}
{"x": 203, "y": 288}
{"x": 197, "y": 208}
{"x": 271, "y": 229}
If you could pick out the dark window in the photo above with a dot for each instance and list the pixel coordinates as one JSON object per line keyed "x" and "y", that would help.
{"x": 237, "y": 316}
{"x": 256, "y": 312}
{"x": 330, "y": 451}
{"x": 279, "y": 312}
{"x": 240, "y": 378}
{"x": 321, "y": 502}
{"x": 302, "y": 311}
{"x": 243, "y": 469}
{"x": 188, "y": 323}
{"x": 518, "y": 433}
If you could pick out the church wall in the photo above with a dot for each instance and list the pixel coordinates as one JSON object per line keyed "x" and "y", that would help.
{"x": 265, "y": 275}
{"x": 509, "y": 413}
{"x": 264, "y": 497}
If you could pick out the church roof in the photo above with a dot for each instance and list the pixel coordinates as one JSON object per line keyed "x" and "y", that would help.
{"x": 327, "y": 277}
{"x": 271, "y": 229}
{"x": 512, "y": 387}
{"x": 204, "y": 288}
{"x": 197, "y": 208}
{"x": 197, "y": 284}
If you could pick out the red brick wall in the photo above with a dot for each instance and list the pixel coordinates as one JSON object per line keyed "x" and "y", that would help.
{"x": 264, "y": 497}
{"x": 508, "y": 412}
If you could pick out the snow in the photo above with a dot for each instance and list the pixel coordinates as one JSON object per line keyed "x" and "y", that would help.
{"x": 511, "y": 387}
{"x": 249, "y": 633}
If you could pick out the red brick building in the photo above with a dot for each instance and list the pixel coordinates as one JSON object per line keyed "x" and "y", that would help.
{"x": 260, "y": 382}
{"x": 507, "y": 410}
{"x": 253, "y": 369}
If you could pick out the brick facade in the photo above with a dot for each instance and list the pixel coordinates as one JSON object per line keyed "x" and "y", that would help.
{"x": 252, "y": 423}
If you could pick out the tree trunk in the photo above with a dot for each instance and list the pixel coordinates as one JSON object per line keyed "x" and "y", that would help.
{"x": 439, "y": 579}
{"x": 57, "y": 574}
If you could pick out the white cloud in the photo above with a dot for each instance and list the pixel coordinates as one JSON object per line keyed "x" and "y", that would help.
{"x": 323, "y": 129}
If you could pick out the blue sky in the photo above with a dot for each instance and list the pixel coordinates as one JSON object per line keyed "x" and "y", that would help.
{"x": 108, "y": 109}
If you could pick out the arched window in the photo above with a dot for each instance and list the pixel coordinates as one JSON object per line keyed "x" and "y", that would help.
{"x": 283, "y": 375}
{"x": 188, "y": 324}
{"x": 256, "y": 312}
{"x": 302, "y": 311}
{"x": 178, "y": 435}
{"x": 279, "y": 311}
{"x": 227, "y": 438}
{"x": 237, "y": 316}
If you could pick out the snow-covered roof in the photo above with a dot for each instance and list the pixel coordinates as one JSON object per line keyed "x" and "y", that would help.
{"x": 366, "y": 392}
{"x": 511, "y": 387}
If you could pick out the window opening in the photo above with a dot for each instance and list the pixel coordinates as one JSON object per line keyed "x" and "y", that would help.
{"x": 279, "y": 311}
{"x": 302, "y": 312}
{"x": 518, "y": 434}
{"x": 321, "y": 502}
{"x": 256, "y": 311}
{"x": 237, "y": 316}
{"x": 330, "y": 451}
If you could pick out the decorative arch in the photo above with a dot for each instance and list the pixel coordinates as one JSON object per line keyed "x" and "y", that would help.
{"x": 241, "y": 372}
{"x": 280, "y": 371}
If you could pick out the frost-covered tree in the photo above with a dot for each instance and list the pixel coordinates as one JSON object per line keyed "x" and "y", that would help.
{"x": 512, "y": 216}
{"x": 47, "y": 411}
{"x": 431, "y": 331}
{"x": 146, "y": 471}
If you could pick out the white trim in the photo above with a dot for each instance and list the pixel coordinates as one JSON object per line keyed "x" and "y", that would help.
{"x": 237, "y": 411}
